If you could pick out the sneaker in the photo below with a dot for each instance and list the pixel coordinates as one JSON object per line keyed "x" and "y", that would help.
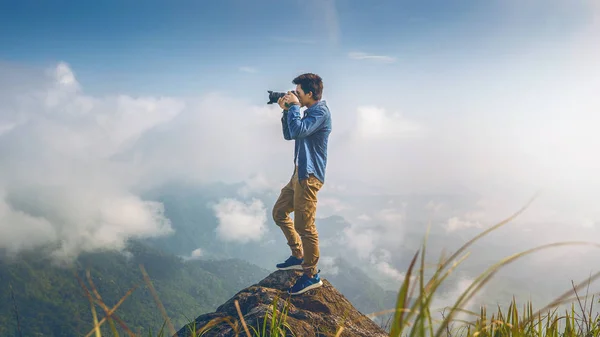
{"x": 305, "y": 283}
{"x": 292, "y": 263}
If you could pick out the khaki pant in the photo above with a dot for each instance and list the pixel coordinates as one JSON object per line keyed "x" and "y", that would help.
{"x": 300, "y": 197}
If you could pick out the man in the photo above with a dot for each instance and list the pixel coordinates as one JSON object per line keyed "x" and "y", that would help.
{"x": 311, "y": 134}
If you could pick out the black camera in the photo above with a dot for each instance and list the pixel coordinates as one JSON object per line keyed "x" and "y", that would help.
{"x": 274, "y": 96}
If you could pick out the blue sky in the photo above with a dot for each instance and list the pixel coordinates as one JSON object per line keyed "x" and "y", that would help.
{"x": 497, "y": 97}
{"x": 187, "y": 47}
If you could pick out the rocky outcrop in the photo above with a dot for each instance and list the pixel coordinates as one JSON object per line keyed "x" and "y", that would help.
{"x": 316, "y": 313}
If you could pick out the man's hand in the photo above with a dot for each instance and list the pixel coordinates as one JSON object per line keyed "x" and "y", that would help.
{"x": 281, "y": 102}
{"x": 290, "y": 98}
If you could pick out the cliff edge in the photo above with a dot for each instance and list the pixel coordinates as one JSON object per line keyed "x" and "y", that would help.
{"x": 316, "y": 313}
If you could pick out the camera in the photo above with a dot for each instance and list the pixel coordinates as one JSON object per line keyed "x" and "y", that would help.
{"x": 274, "y": 96}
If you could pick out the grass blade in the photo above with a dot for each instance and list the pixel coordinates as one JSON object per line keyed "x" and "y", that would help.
{"x": 484, "y": 277}
{"x": 239, "y": 311}
{"x": 401, "y": 302}
{"x": 157, "y": 300}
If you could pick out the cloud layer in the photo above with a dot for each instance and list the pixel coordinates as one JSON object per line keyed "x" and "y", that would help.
{"x": 356, "y": 55}
{"x": 74, "y": 165}
{"x": 58, "y": 186}
{"x": 240, "y": 222}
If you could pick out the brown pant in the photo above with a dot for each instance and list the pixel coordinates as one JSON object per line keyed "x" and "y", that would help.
{"x": 300, "y": 197}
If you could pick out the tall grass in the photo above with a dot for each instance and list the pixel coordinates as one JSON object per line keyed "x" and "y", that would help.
{"x": 416, "y": 319}
{"x": 412, "y": 315}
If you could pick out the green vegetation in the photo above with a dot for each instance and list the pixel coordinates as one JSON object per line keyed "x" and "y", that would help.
{"x": 51, "y": 301}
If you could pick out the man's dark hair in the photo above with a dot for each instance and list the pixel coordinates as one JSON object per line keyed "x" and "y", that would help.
{"x": 310, "y": 83}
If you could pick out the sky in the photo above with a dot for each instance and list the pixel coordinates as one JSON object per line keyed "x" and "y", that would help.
{"x": 101, "y": 101}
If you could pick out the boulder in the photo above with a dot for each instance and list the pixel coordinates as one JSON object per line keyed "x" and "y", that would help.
{"x": 317, "y": 313}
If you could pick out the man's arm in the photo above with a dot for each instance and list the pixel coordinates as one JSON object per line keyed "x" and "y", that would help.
{"x": 284, "y": 125}
{"x": 301, "y": 128}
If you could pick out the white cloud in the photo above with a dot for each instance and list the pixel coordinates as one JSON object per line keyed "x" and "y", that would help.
{"x": 392, "y": 216}
{"x": 386, "y": 269}
{"x": 64, "y": 76}
{"x": 391, "y": 222}
{"x": 448, "y": 299}
{"x": 364, "y": 217}
{"x": 382, "y": 230}
{"x": 195, "y": 255}
{"x": 6, "y": 127}
{"x": 376, "y": 123}
{"x": 259, "y": 183}
{"x": 247, "y": 136}
{"x": 471, "y": 219}
{"x": 455, "y": 223}
{"x": 59, "y": 188}
{"x": 378, "y": 58}
{"x": 240, "y": 222}
{"x": 381, "y": 261}
{"x": 328, "y": 206}
{"x": 435, "y": 206}
{"x": 74, "y": 165}
{"x": 362, "y": 241}
{"x": 328, "y": 265}
{"x": 250, "y": 70}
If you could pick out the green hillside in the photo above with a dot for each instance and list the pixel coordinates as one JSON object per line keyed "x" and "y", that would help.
{"x": 51, "y": 302}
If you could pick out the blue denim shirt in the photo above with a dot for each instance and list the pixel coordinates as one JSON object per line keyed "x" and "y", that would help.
{"x": 311, "y": 134}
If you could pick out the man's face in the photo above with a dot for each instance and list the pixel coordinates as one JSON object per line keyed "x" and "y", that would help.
{"x": 302, "y": 97}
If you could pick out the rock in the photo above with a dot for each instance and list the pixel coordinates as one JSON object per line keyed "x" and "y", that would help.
{"x": 318, "y": 312}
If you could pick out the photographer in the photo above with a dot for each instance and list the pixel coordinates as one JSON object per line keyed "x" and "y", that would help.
{"x": 310, "y": 133}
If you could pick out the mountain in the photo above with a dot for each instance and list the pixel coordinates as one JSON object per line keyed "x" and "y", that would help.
{"x": 318, "y": 312}
{"x": 51, "y": 302}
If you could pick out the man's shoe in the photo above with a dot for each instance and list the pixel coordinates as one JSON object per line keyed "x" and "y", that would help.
{"x": 304, "y": 283}
{"x": 292, "y": 263}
